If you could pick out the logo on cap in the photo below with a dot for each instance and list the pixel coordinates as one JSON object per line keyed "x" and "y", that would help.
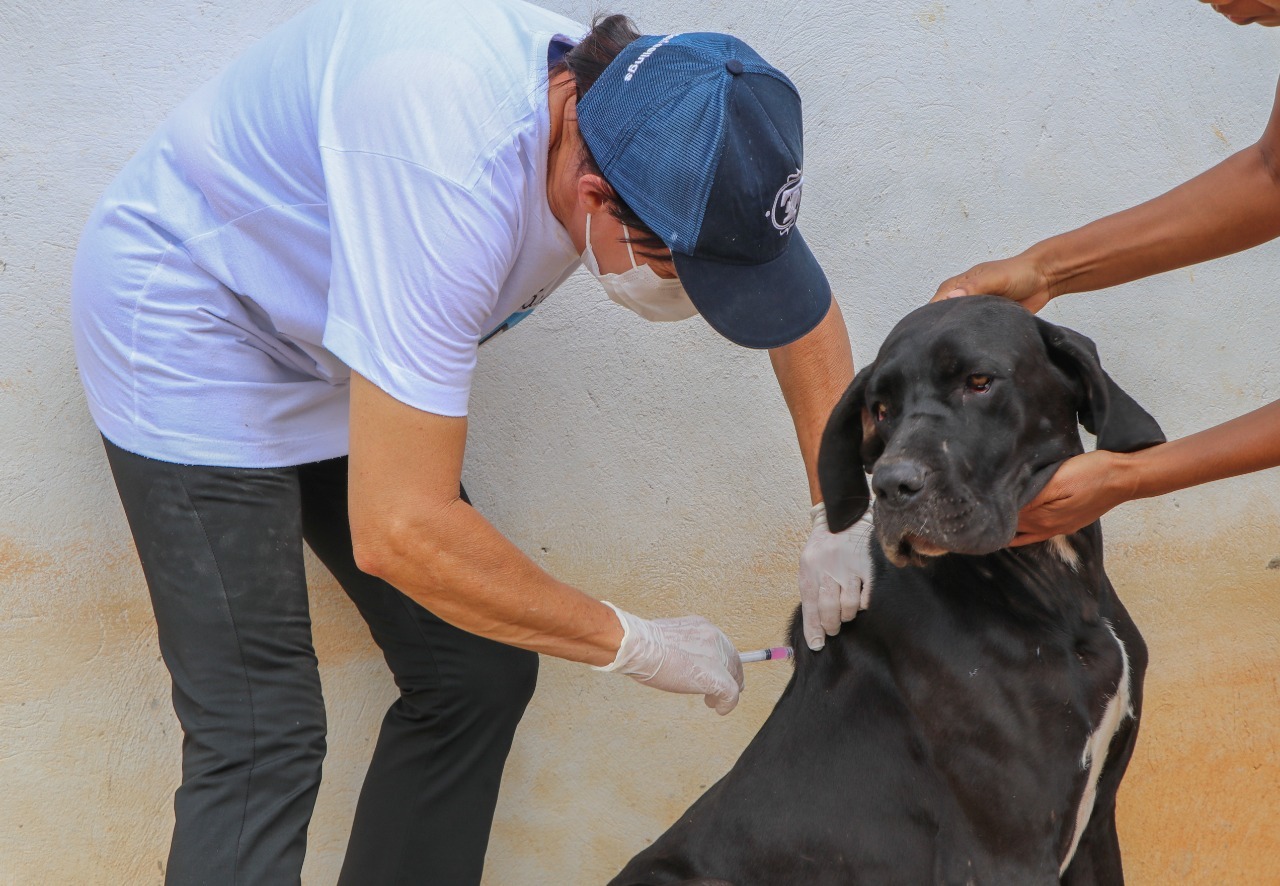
{"x": 786, "y": 203}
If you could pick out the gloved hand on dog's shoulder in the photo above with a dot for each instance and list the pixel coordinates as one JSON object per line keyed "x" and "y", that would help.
{"x": 835, "y": 576}
{"x": 687, "y": 654}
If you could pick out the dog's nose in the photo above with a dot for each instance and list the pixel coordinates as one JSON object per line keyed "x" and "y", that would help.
{"x": 899, "y": 481}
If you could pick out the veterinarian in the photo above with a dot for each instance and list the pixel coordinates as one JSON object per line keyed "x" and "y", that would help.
{"x": 1232, "y": 207}
{"x": 278, "y": 306}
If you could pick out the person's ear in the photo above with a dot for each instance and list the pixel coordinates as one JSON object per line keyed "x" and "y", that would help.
{"x": 842, "y": 457}
{"x": 1103, "y": 407}
{"x": 594, "y": 193}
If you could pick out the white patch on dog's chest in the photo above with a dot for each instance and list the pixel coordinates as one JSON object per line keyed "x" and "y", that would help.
{"x": 1119, "y": 708}
{"x": 1066, "y": 553}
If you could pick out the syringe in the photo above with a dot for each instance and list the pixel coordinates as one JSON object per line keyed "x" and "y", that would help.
{"x": 780, "y": 652}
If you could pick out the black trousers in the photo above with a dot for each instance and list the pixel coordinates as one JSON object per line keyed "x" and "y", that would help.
{"x": 221, "y": 549}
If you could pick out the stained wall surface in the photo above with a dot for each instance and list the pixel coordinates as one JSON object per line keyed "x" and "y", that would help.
{"x": 655, "y": 466}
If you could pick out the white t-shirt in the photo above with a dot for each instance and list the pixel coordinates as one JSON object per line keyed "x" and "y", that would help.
{"x": 364, "y": 188}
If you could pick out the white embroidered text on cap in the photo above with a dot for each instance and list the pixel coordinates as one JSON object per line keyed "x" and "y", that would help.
{"x": 642, "y": 57}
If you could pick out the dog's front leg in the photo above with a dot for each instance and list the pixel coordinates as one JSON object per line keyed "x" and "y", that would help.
{"x": 1097, "y": 859}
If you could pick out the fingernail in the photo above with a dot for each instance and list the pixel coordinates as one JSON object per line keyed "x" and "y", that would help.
{"x": 955, "y": 293}
{"x": 816, "y": 645}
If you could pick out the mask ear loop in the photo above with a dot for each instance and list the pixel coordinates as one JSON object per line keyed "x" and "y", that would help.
{"x": 626, "y": 235}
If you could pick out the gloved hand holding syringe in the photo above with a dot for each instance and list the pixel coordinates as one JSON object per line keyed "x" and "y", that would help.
{"x": 687, "y": 654}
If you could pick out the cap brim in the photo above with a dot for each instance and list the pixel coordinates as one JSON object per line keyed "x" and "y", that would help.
{"x": 759, "y": 306}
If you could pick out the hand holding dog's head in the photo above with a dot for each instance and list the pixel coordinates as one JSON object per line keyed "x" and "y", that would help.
{"x": 963, "y": 416}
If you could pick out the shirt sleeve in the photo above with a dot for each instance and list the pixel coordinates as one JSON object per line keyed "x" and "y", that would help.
{"x": 418, "y": 264}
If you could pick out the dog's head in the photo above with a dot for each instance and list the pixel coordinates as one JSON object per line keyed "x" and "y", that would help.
{"x": 961, "y": 419}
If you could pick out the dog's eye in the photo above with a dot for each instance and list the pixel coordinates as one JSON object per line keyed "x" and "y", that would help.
{"x": 979, "y": 384}
{"x": 880, "y": 411}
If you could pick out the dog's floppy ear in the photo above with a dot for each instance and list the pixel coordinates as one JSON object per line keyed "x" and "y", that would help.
{"x": 841, "y": 472}
{"x": 1120, "y": 424}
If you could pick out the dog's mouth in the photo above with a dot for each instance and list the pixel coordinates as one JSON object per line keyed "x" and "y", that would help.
{"x": 922, "y": 546}
{"x": 916, "y": 535}
{"x": 911, "y": 550}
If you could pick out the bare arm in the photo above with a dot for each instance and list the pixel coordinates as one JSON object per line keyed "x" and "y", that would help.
{"x": 410, "y": 527}
{"x": 1240, "y": 446}
{"x": 1089, "y": 485}
{"x": 835, "y": 570}
{"x": 813, "y": 372}
{"x": 1231, "y": 207}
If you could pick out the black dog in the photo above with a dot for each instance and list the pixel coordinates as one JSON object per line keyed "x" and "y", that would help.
{"x": 973, "y": 725}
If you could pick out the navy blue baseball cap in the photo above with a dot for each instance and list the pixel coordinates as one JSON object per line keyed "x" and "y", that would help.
{"x": 703, "y": 139}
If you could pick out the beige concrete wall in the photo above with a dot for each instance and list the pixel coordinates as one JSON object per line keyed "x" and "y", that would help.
{"x": 655, "y": 466}
{"x": 1201, "y": 802}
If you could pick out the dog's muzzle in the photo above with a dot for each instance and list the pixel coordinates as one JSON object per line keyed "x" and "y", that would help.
{"x": 920, "y": 514}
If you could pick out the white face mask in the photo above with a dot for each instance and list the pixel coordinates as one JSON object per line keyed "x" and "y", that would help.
{"x": 640, "y": 288}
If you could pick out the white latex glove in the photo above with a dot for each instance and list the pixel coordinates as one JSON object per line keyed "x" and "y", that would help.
{"x": 687, "y": 654}
{"x": 835, "y": 576}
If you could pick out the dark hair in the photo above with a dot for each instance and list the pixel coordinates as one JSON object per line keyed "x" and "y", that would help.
{"x": 609, "y": 35}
